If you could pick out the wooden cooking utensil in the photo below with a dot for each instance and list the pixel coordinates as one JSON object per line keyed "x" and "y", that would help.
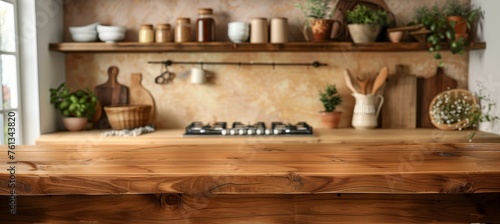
{"x": 362, "y": 84}
{"x": 139, "y": 95}
{"x": 348, "y": 81}
{"x": 379, "y": 80}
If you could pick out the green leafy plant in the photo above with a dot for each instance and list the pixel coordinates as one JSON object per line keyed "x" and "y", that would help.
{"x": 317, "y": 9}
{"x": 469, "y": 12}
{"x": 330, "y": 98}
{"x": 434, "y": 19}
{"x": 80, "y": 103}
{"x": 361, "y": 14}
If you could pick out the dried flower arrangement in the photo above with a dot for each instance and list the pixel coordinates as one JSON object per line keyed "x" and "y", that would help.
{"x": 459, "y": 109}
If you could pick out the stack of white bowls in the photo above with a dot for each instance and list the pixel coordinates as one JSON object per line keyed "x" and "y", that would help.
{"x": 87, "y": 33}
{"x": 111, "y": 34}
{"x": 238, "y": 32}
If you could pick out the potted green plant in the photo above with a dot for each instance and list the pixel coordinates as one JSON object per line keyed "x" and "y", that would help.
{"x": 77, "y": 108}
{"x": 330, "y": 99}
{"x": 461, "y": 17}
{"x": 364, "y": 24}
{"x": 318, "y": 17}
{"x": 442, "y": 29}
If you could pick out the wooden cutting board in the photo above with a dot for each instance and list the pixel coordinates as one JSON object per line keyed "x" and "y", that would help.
{"x": 110, "y": 93}
{"x": 139, "y": 95}
{"x": 427, "y": 89}
{"x": 400, "y": 104}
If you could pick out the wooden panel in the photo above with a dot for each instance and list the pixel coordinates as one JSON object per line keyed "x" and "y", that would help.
{"x": 427, "y": 90}
{"x": 174, "y": 137}
{"x": 400, "y": 105}
{"x": 255, "y": 169}
{"x": 246, "y": 47}
{"x": 337, "y": 208}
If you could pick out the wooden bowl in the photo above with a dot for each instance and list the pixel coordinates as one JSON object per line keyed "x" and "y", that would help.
{"x": 127, "y": 116}
{"x": 453, "y": 92}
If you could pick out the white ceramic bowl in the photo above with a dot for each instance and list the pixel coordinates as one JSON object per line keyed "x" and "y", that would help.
{"x": 84, "y": 37}
{"x": 83, "y": 29}
{"x": 238, "y": 37}
{"x": 111, "y": 37}
{"x": 112, "y": 29}
{"x": 238, "y": 25}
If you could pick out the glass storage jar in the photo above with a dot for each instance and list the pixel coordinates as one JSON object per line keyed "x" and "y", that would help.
{"x": 146, "y": 34}
{"x": 183, "y": 30}
{"x": 205, "y": 25}
{"x": 163, "y": 33}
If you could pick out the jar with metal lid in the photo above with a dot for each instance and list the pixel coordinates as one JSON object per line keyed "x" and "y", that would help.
{"x": 163, "y": 33}
{"x": 146, "y": 34}
{"x": 183, "y": 30}
{"x": 205, "y": 25}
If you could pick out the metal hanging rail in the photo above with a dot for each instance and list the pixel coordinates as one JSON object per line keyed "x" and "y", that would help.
{"x": 314, "y": 64}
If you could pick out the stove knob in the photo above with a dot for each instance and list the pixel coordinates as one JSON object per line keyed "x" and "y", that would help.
{"x": 232, "y": 132}
{"x": 250, "y": 131}
{"x": 276, "y": 131}
{"x": 259, "y": 131}
{"x": 241, "y": 132}
{"x": 224, "y": 132}
{"x": 268, "y": 132}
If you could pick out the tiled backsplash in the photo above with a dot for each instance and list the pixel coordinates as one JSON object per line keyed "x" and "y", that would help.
{"x": 248, "y": 93}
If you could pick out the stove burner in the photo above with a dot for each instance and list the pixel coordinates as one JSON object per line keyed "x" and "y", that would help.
{"x": 238, "y": 128}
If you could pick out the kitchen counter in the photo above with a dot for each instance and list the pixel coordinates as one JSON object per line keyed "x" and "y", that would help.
{"x": 174, "y": 137}
{"x": 376, "y": 176}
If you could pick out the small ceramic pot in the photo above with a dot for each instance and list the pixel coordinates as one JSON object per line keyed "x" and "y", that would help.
{"x": 331, "y": 119}
{"x": 75, "y": 123}
{"x": 363, "y": 33}
{"x": 395, "y": 36}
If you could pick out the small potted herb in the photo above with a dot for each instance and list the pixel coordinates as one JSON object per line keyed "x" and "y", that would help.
{"x": 330, "y": 99}
{"x": 318, "y": 16}
{"x": 77, "y": 107}
{"x": 364, "y": 24}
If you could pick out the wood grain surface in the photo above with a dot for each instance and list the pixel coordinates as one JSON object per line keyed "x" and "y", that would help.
{"x": 232, "y": 47}
{"x": 400, "y": 105}
{"x": 140, "y": 96}
{"x": 329, "y": 208}
{"x": 256, "y": 169}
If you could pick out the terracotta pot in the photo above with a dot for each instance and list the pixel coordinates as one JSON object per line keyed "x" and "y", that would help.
{"x": 363, "y": 33}
{"x": 75, "y": 123}
{"x": 331, "y": 119}
{"x": 460, "y": 26}
{"x": 321, "y": 29}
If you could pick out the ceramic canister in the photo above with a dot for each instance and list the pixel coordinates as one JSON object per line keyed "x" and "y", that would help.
{"x": 279, "y": 30}
{"x": 258, "y": 31}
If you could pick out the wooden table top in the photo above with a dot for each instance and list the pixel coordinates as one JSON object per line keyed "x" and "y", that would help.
{"x": 255, "y": 168}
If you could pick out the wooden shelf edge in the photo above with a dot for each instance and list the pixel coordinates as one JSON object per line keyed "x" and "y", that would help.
{"x": 120, "y": 47}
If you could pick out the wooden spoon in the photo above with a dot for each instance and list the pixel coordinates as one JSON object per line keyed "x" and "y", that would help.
{"x": 362, "y": 84}
{"x": 348, "y": 81}
{"x": 379, "y": 80}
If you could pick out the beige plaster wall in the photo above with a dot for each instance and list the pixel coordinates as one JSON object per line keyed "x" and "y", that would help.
{"x": 246, "y": 94}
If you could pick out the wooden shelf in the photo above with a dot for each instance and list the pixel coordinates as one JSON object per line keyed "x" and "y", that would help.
{"x": 246, "y": 47}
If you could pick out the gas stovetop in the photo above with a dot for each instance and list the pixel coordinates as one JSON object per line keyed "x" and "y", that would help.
{"x": 257, "y": 129}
